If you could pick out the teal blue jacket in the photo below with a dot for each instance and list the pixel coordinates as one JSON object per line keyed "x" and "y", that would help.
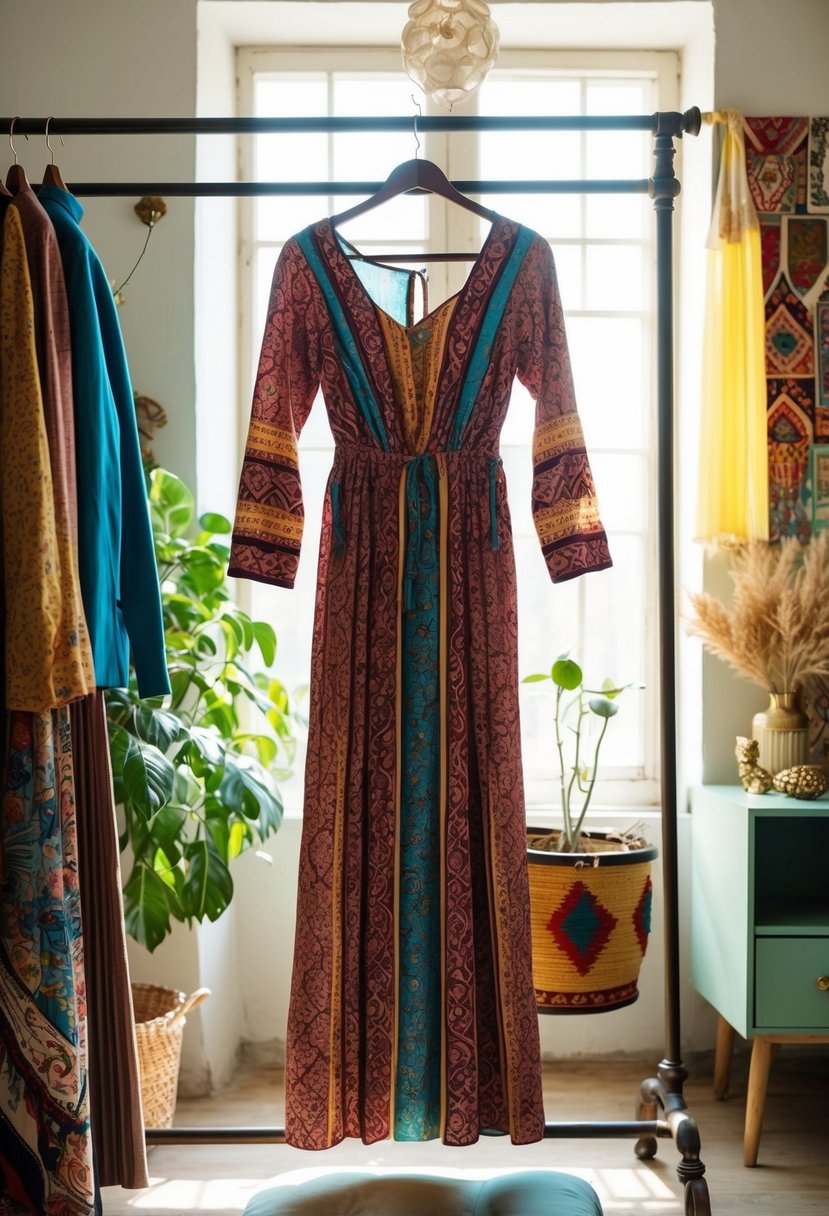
{"x": 119, "y": 578}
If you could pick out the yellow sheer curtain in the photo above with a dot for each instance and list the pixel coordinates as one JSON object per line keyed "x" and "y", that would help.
{"x": 733, "y": 467}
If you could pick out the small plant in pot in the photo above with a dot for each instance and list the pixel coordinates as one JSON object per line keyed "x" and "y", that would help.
{"x": 590, "y": 892}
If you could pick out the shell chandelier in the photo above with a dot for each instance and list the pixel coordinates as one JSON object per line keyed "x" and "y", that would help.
{"x": 449, "y": 47}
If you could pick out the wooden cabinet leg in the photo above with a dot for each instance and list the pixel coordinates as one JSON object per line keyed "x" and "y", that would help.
{"x": 722, "y": 1058}
{"x": 762, "y": 1053}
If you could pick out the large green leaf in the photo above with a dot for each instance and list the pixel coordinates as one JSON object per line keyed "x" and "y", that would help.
{"x": 146, "y": 907}
{"x": 208, "y": 887}
{"x": 204, "y": 571}
{"x": 241, "y": 836}
{"x": 119, "y": 746}
{"x": 157, "y": 726}
{"x": 266, "y": 637}
{"x": 207, "y": 745}
{"x": 166, "y": 829}
{"x": 148, "y": 777}
{"x": 187, "y": 790}
{"x": 266, "y": 747}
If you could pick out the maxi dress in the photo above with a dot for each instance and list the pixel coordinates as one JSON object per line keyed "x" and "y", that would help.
{"x": 412, "y": 1011}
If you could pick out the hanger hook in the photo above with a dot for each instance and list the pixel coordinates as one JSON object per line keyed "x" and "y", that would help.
{"x": 48, "y": 145}
{"x": 11, "y": 132}
{"x": 415, "y": 117}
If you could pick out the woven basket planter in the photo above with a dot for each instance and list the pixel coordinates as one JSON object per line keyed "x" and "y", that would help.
{"x": 590, "y": 918}
{"x": 160, "y": 1014}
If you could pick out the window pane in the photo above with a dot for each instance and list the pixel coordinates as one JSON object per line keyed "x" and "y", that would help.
{"x": 621, "y": 154}
{"x": 263, "y": 277}
{"x": 526, "y": 154}
{"x": 617, "y": 97}
{"x": 568, "y": 260}
{"x": 623, "y": 487}
{"x": 553, "y": 215}
{"x": 616, "y": 629}
{"x": 608, "y": 364}
{"x": 616, "y": 277}
{"x": 293, "y": 158}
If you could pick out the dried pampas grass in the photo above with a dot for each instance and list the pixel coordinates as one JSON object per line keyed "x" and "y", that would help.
{"x": 776, "y": 631}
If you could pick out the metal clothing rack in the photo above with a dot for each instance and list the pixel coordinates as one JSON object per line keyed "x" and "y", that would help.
{"x": 661, "y": 1108}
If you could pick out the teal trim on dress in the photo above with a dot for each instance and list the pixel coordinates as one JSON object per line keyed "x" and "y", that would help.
{"x": 347, "y": 350}
{"x": 420, "y": 1017}
{"x": 479, "y": 362}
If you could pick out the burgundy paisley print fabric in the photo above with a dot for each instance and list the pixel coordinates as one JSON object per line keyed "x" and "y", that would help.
{"x": 342, "y": 1046}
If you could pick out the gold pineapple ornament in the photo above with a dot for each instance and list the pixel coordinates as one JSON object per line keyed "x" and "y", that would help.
{"x": 804, "y": 781}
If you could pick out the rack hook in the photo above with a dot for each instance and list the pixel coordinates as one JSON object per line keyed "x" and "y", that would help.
{"x": 48, "y": 145}
{"x": 415, "y": 117}
{"x": 11, "y": 144}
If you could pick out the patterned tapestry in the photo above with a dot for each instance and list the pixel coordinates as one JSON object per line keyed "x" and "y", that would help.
{"x": 788, "y": 172}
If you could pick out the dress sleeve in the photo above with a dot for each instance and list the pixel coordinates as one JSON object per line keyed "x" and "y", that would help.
{"x": 564, "y": 504}
{"x": 269, "y": 513}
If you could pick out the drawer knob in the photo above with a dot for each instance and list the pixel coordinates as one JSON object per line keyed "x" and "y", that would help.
{"x": 823, "y": 983}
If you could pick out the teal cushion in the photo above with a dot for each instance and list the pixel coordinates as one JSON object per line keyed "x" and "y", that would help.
{"x": 524, "y": 1193}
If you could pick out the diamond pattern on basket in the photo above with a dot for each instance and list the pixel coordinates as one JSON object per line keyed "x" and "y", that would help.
{"x": 581, "y": 927}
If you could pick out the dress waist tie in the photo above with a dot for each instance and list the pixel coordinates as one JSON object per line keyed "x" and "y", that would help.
{"x": 421, "y": 522}
{"x": 421, "y": 496}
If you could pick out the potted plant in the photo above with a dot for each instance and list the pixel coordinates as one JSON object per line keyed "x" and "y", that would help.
{"x": 195, "y": 776}
{"x": 775, "y": 633}
{"x": 590, "y": 892}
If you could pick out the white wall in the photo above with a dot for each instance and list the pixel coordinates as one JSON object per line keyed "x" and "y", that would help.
{"x": 115, "y": 57}
{"x": 88, "y": 59}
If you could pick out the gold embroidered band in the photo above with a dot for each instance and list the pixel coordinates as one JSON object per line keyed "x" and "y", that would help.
{"x": 557, "y": 436}
{"x": 260, "y": 519}
{"x": 567, "y": 519}
{"x": 272, "y": 442}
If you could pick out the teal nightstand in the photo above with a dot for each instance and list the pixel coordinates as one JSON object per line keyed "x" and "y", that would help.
{"x": 760, "y": 928}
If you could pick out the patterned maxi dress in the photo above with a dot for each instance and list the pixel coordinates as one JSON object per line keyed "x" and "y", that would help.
{"x": 412, "y": 1008}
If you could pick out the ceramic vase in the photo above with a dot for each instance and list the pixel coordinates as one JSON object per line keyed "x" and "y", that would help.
{"x": 782, "y": 731}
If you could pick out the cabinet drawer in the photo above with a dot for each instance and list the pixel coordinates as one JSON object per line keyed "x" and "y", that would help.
{"x": 785, "y": 982}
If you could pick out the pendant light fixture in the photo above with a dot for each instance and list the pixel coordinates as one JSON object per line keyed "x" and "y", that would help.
{"x": 449, "y": 47}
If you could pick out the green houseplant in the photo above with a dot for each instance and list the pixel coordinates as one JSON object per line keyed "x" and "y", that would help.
{"x": 577, "y": 778}
{"x": 195, "y": 773}
{"x": 590, "y": 892}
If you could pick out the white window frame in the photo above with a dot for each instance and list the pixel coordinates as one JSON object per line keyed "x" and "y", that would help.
{"x": 617, "y": 789}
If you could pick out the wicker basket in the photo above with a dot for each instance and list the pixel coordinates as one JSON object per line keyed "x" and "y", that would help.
{"x": 590, "y": 918}
{"x": 160, "y": 1015}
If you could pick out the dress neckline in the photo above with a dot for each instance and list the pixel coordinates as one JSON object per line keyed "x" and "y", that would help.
{"x": 340, "y": 244}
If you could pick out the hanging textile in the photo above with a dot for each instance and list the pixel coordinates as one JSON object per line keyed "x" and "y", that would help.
{"x": 114, "y": 1081}
{"x": 57, "y": 759}
{"x": 118, "y": 573}
{"x": 45, "y": 661}
{"x": 412, "y": 1005}
{"x": 733, "y": 457}
{"x": 45, "y": 1149}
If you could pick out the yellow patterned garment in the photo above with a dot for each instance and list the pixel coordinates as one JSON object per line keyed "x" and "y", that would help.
{"x": 47, "y": 655}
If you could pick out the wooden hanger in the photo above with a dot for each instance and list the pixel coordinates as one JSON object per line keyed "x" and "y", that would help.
{"x": 415, "y": 174}
{"x": 16, "y": 179}
{"x": 424, "y": 175}
{"x": 52, "y": 175}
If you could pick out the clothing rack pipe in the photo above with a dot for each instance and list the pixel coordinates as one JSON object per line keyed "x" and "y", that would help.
{"x": 663, "y": 1094}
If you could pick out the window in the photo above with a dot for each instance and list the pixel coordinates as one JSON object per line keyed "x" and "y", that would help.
{"x": 604, "y": 251}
